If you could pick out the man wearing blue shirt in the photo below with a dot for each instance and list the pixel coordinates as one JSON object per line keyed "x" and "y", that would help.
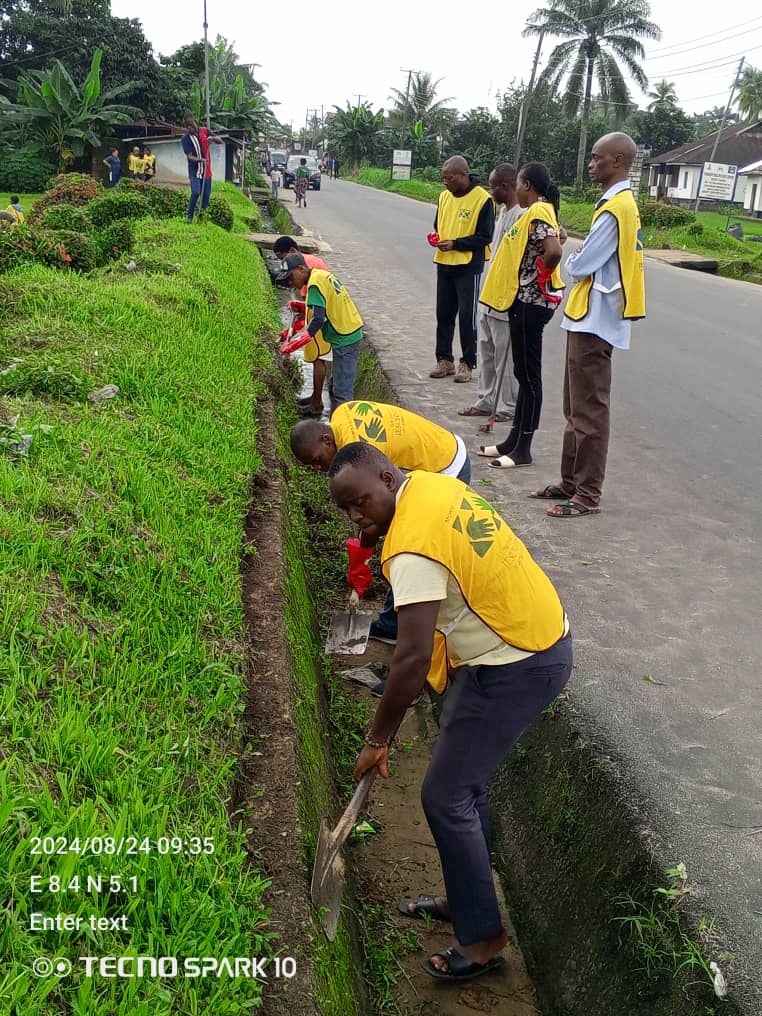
{"x": 608, "y": 294}
{"x": 196, "y": 162}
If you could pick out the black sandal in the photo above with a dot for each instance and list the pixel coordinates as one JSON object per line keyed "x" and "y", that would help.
{"x": 425, "y": 908}
{"x": 459, "y": 968}
{"x": 550, "y": 493}
{"x": 571, "y": 510}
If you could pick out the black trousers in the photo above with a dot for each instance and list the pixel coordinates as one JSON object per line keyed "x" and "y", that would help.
{"x": 457, "y": 297}
{"x": 527, "y": 322}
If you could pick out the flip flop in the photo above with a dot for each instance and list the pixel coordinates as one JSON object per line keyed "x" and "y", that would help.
{"x": 506, "y": 462}
{"x": 550, "y": 493}
{"x": 489, "y": 451}
{"x": 425, "y": 908}
{"x": 459, "y": 968}
{"x": 571, "y": 510}
{"x": 472, "y": 411}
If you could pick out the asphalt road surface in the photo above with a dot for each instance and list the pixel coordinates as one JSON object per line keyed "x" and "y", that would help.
{"x": 664, "y": 587}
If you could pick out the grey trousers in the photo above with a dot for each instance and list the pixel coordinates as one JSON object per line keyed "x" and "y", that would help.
{"x": 493, "y": 343}
{"x": 484, "y": 713}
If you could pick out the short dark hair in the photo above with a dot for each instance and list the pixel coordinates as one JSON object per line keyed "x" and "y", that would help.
{"x": 306, "y": 433}
{"x": 14, "y": 199}
{"x": 505, "y": 171}
{"x": 303, "y": 161}
{"x": 538, "y": 175}
{"x": 285, "y": 244}
{"x": 358, "y": 453}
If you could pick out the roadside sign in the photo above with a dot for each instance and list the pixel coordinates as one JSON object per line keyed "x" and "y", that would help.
{"x": 402, "y": 162}
{"x": 718, "y": 181}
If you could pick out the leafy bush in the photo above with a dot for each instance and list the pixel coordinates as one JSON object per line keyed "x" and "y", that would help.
{"x": 695, "y": 229}
{"x": 114, "y": 240}
{"x": 118, "y": 205}
{"x": 588, "y": 195}
{"x": 79, "y": 248}
{"x": 163, "y": 202}
{"x": 65, "y": 216}
{"x": 24, "y": 171}
{"x": 430, "y": 174}
{"x": 220, "y": 212}
{"x": 67, "y": 188}
{"x": 653, "y": 213}
{"x": 22, "y": 245}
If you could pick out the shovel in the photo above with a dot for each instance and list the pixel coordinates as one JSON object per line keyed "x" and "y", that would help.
{"x": 349, "y": 630}
{"x": 329, "y": 870}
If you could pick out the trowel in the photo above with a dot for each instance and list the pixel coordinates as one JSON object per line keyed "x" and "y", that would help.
{"x": 329, "y": 870}
{"x": 349, "y": 631}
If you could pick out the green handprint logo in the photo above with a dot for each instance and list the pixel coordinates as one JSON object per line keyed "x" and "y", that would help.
{"x": 481, "y": 523}
{"x": 375, "y": 431}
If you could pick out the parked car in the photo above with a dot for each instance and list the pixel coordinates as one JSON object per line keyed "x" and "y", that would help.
{"x": 277, "y": 159}
{"x": 312, "y": 165}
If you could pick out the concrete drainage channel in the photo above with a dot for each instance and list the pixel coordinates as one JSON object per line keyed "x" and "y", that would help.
{"x": 605, "y": 932}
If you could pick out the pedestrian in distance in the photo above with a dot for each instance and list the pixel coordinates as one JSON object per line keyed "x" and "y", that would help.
{"x": 457, "y": 570}
{"x": 205, "y": 136}
{"x": 524, "y": 278}
{"x": 319, "y": 352}
{"x": 330, "y": 311}
{"x": 14, "y": 211}
{"x": 301, "y": 183}
{"x": 191, "y": 145}
{"x": 493, "y": 332}
{"x": 135, "y": 164}
{"x": 336, "y": 167}
{"x": 409, "y": 441}
{"x": 149, "y": 165}
{"x": 276, "y": 180}
{"x": 607, "y": 296}
{"x": 463, "y": 229}
{"x": 113, "y": 164}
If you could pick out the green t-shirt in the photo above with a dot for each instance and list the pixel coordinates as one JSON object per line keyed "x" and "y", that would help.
{"x": 303, "y": 171}
{"x": 316, "y": 299}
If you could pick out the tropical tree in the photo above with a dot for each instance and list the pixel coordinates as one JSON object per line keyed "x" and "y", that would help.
{"x": 662, "y": 128}
{"x": 598, "y": 35}
{"x": 355, "y": 134}
{"x": 662, "y": 94}
{"x": 63, "y": 120}
{"x": 231, "y": 106}
{"x": 418, "y": 104}
{"x": 749, "y": 99}
{"x": 709, "y": 121}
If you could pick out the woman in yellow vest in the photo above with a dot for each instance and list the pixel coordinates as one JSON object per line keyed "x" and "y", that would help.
{"x": 525, "y": 280}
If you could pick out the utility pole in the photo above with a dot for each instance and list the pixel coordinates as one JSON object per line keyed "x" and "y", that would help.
{"x": 524, "y": 111}
{"x": 725, "y": 115}
{"x": 206, "y": 70}
{"x": 359, "y": 96}
{"x": 410, "y": 73}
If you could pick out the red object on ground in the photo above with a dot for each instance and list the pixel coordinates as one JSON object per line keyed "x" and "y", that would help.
{"x": 359, "y": 574}
{"x": 544, "y": 276}
{"x": 433, "y": 239}
{"x": 296, "y": 343}
{"x": 296, "y": 327}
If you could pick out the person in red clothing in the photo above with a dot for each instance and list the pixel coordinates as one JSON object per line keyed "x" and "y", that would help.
{"x": 205, "y": 136}
{"x": 310, "y": 405}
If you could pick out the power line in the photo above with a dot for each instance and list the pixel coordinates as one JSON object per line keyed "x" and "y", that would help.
{"x": 712, "y": 42}
{"x": 698, "y": 38}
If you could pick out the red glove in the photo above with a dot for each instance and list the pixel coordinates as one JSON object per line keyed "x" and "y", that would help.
{"x": 359, "y": 575}
{"x": 544, "y": 276}
{"x": 296, "y": 307}
{"x": 296, "y": 343}
{"x": 297, "y": 326}
{"x": 433, "y": 239}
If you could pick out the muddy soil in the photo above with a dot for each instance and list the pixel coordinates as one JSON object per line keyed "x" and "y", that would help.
{"x": 402, "y": 861}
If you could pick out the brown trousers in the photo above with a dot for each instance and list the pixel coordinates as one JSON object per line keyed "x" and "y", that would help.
{"x": 587, "y": 391}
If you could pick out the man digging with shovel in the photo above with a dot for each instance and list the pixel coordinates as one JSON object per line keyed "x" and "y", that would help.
{"x": 470, "y": 598}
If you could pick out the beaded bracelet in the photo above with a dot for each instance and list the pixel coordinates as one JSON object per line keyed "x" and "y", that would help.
{"x": 377, "y": 744}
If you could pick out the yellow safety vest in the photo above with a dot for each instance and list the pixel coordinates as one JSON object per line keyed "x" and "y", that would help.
{"x": 440, "y": 518}
{"x": 339, "y": 308}
{"x": 630, "y": 256}
{"x": 457, "y": 217}
{"x": 502, "y": 282}
{"x": 410, "y": 441}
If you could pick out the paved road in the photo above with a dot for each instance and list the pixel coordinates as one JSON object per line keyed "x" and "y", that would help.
{"x": 666, "y": 581}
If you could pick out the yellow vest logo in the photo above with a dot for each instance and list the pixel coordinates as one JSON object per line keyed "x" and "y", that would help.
{"x": 478, "y": 521}
{"x": 464, "y": 213}
{"x": 373, "y": 428}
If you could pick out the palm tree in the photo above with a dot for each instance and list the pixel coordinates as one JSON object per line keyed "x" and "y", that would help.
{"x": 749, "y": 100}
{"x": 663, "y": 94}
{"x": 55, "y": 114}
{"x": 418, "y": 104}
{"x": 598, "y": 34}
{"x": 354, "y": 134}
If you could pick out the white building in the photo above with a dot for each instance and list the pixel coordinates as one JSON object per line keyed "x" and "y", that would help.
{"x": 752, "y": 202}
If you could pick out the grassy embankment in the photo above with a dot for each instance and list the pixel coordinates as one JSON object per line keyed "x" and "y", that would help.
{"x": 421, "y": 190}
{"x": 121, "y": 647}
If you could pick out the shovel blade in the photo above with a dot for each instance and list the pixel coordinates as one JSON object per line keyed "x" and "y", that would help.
{"x": 348, "y": 634}
{"x": 328, "y": 877}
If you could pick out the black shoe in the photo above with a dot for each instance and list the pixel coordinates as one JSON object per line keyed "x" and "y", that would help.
{"x": 378, "y": 691}
{"x": 381, "y": 634}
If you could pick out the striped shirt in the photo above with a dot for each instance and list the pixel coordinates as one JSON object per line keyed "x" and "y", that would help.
{"x": 192, "y": 146}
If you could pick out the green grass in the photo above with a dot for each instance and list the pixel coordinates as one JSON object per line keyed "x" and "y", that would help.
{"x": 421, "y": 190}
{"x": 121, "y": 687}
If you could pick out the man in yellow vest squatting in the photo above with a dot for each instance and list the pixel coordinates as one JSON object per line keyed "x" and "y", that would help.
{"x": 468, "y": 597}
{"x": 462, "y": 233}
{"x": 333, "y": 321}
{"x": 608, "y": 294}
{"x": 410, "y": 442}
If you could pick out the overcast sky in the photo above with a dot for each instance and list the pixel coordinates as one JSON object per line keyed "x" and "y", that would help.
{"x": 336, "y": 50}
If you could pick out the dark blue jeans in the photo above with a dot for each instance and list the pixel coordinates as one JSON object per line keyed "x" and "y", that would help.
{"x": 484, "y": 713}
{"x": 196, "y": 186}
{"x": 387, "y": 618}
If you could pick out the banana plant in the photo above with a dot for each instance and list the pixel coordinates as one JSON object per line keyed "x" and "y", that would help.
{"x": 61, "y": 119}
